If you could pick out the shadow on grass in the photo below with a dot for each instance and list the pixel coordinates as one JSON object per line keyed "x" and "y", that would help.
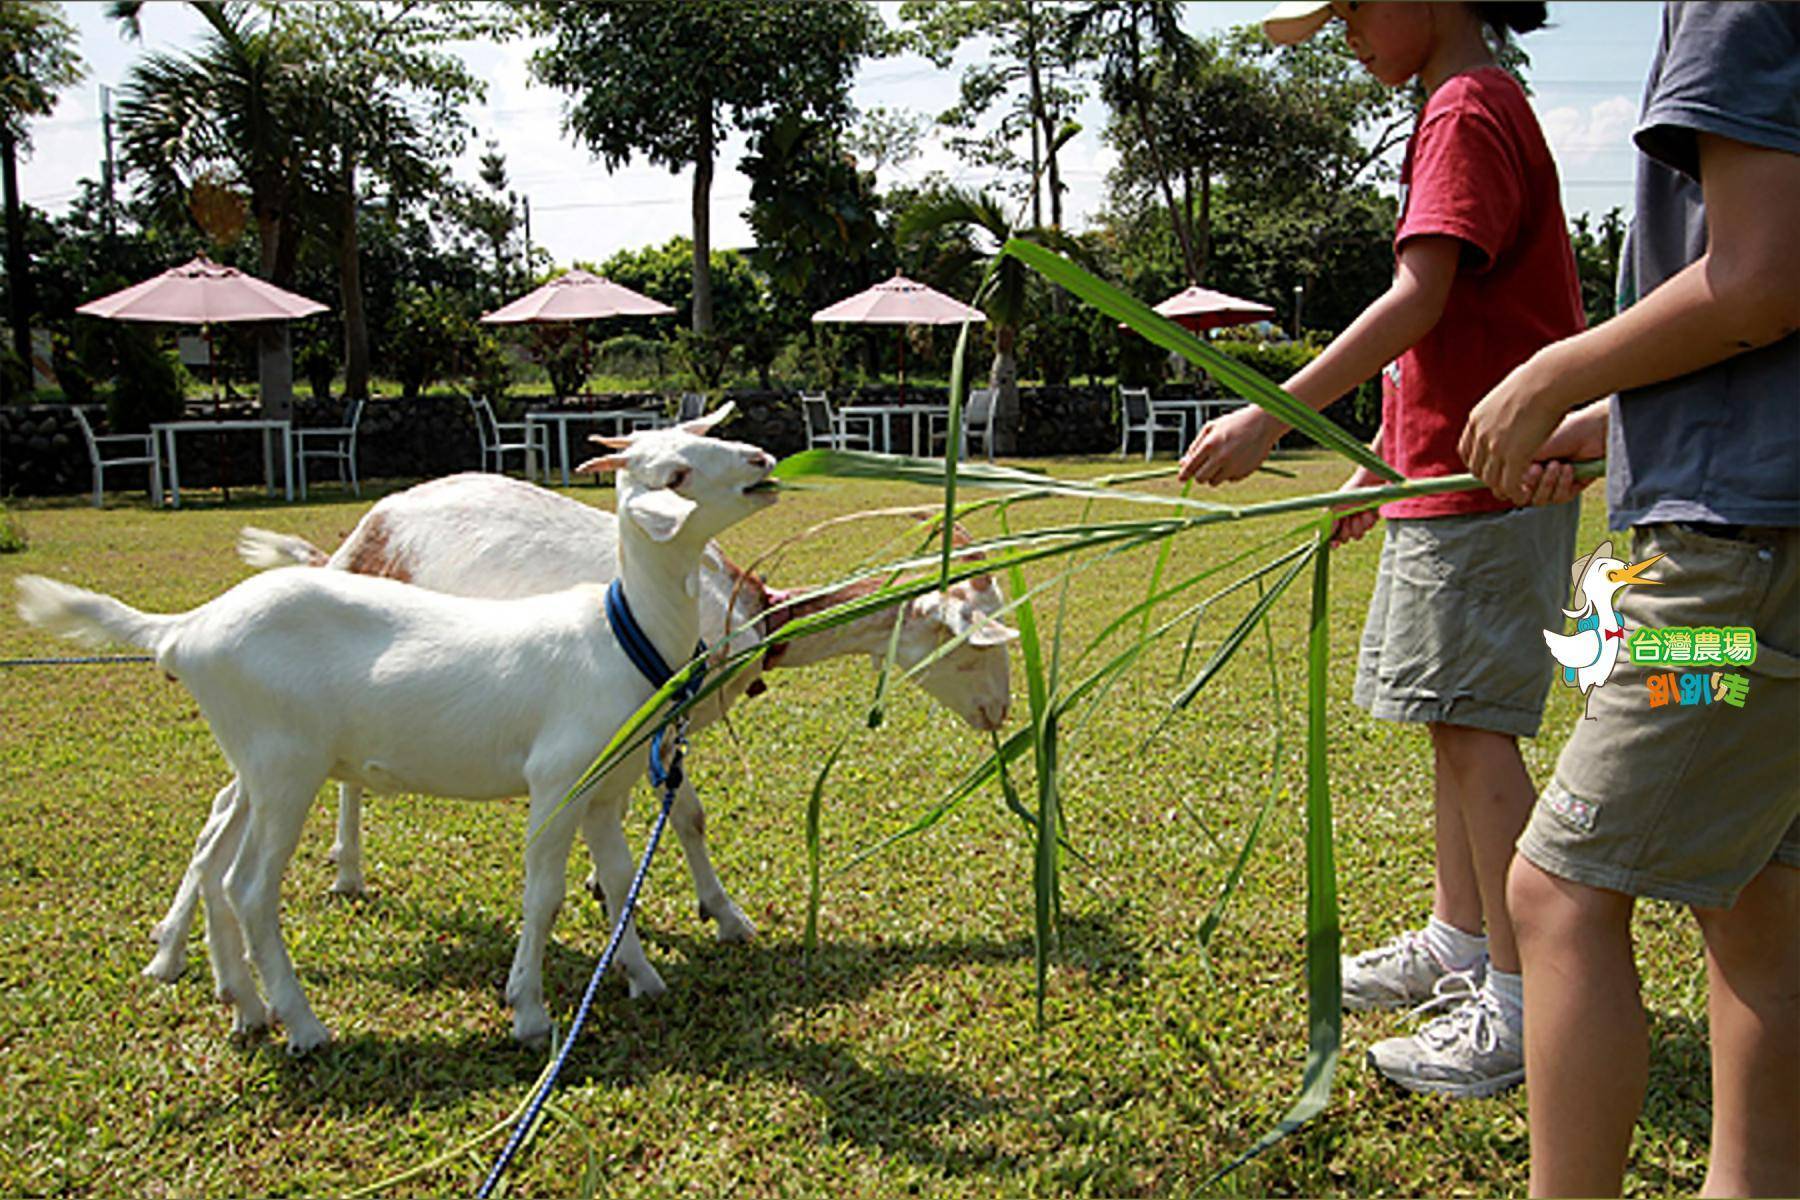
{"x": 728, "y": 1015}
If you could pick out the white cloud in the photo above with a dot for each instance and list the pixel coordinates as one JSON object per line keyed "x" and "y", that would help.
{"x": 1578, "y": 136}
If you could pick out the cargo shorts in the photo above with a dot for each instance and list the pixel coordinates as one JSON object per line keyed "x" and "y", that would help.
{"x": 1687, "y": 802}
{"x": 1456, "y": 624}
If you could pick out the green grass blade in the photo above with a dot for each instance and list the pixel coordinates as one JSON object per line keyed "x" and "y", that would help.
{"x": 1165, "y": 333}
{"x": 814, "y": 852}
{"x": 1324, "y": 984}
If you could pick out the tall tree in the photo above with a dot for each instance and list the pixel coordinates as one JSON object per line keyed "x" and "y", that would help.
{"x": 1007, "y": 300}
{"x": 235, "y": 110}
{"x": 1132, "y": 40}
{"x": 670, "y": 78}
{"x": 1026, "y": 62}
{"x": 386, "y": 102}
{"x": 37, "y": 59}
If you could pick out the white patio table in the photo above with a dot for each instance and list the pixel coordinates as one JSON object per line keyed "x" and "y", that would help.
{"x": 623, "y": 420}
{"x": 886, "y": 412}
{"x": 168, "y": 431}
{"x": 1196, "y": 412}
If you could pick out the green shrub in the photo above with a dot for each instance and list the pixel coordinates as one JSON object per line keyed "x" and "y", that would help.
{"x": 12, "y": 534}
{"x": 429, "y": 338}
{"x": 150, "y": 385}
{"x": 490, "y": 368}
{"x": 317, "y": 359}
{"x": 562, "y": 351}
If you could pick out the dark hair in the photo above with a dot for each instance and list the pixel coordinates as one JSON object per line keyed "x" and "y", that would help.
{"x": 1505, "y": 18}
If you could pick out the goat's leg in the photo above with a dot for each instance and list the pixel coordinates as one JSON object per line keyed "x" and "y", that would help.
{"x": 279, "y": 798}
{"x": 233, "y": 981}
{"x": 547, "y": 844}
{"x": 346, "y": 851}
{"x": 689, "y": 820}
{"x": 171, "y": 933}
{"x": 603, "y": 826}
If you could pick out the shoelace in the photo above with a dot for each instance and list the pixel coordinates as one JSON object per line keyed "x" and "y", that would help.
{"x": 1406, "y": 943}
{"x": 1469, "y": 1005}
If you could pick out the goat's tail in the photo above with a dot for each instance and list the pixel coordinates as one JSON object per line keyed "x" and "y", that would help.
{"x": 87, "y": 617}
{"x": 263, "y": 548}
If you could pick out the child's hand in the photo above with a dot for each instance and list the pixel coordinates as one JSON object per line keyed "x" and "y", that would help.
{"x": 1230, "y": 447}
{"x": 1505, "y": 432}
{"x": 1580, "y": 436}
{"x": 1348, "y": 528}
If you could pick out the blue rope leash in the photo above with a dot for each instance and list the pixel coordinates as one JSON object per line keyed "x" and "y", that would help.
{"x": 86, "y": 660}
{"x": 650, "y": 664}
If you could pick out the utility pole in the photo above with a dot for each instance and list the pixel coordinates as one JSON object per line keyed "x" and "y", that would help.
{"x": 109, "y": 221}
{"x": 527, "y": 240}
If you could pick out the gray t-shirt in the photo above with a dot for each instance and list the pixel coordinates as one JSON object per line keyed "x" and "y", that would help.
{"x": 1721, "y": 444}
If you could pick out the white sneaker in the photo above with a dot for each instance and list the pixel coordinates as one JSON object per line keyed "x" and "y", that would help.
{"x": 1404, "y": 972}
{"x": 1473, "y": 1050}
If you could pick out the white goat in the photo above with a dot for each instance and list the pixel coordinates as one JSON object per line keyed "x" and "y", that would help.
{"x": 309, "y": 675}
{"x": 489, "y": 535}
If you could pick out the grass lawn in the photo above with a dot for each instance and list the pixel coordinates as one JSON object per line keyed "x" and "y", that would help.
{"x": 902, "y": 1059}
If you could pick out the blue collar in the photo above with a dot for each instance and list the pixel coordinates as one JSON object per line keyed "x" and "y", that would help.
{"x": 641, "y": 651}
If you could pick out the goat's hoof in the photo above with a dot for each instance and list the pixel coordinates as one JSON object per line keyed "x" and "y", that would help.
{"x": 533, "y": 1030}
{"x": 305, "y": 1037}
{"x": 246, "y": 1025}
{"x": 349, "y": 887}
{"x": 168, "y": 965}
{"x": 591, "y": 885}
{"x": 649, "y": 987}
{"x": 734, "y": 926}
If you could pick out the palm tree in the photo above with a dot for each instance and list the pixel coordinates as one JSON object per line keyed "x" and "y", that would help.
{"x": 1005, "y": 299}
{"x": 37, "y": 59}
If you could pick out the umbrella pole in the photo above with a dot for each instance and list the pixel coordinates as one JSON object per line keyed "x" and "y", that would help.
{"x": 903, "y": 364}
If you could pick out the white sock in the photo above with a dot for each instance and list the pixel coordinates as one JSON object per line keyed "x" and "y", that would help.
{"x": 1457, "y": 949}
{"x": 1509, "y": 989}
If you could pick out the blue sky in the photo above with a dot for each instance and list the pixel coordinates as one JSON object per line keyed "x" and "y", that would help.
{"x": 1587, "y": 74}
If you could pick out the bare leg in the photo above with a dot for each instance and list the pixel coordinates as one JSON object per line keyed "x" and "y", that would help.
{"x": 1491, "y": 789}
{"x": 171, "y": 933}
{"x": 1753, "y": 1006}
{"x": 346, "y": 851}
{"x": 279, "y": 798}
{"x": 1587, "y": 1045}
{"x": 1455, "y": 894}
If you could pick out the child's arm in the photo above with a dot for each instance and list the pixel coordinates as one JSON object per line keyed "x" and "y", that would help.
{"x": 1741, "y": 294}
{"x": 1231, "y": 447}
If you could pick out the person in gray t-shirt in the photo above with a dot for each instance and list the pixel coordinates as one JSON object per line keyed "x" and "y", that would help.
{"x": 1697, "y": 802}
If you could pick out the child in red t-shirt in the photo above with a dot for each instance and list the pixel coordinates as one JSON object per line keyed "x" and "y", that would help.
{"x": 1484, "y": 278}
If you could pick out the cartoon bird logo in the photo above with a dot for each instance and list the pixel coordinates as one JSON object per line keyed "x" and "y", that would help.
{"x": 1589, "y": 654}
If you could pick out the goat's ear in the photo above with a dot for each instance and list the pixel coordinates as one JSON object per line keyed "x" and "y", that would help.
{"x": 702, "y": 425}
{"x": 611, "y": 443}
{"x": 660, "y": 512}
{"x": 593, "y": 466}
{"x": 992, "y": 632}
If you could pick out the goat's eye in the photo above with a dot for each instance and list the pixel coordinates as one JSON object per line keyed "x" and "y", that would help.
{"x": 677, "y": 479}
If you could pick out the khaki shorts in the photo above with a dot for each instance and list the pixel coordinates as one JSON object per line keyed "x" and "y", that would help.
{"x": 1455, "y": 628}
{"x": 1687, "y": 802}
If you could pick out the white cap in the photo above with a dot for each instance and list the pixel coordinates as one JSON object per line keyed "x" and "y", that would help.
{"x": 1295, "y": 20}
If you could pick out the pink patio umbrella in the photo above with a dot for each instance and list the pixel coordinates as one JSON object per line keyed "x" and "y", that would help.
{"x": 899, "y": 301}
{"x": 577, "y": 295}
{"x": 1199, "y": 309}
{"x": 202, "y": 293}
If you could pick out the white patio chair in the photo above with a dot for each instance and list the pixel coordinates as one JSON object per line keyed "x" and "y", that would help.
{"x": 336, "y": 443}
{"x": 139, "y": 450}
{"x": 977, "y": 424}
{"x": 693, "y": 405}
{"x": 501, "y": 438}
{"x": 833, "y": 430}
{"x": 1137, "y": 414}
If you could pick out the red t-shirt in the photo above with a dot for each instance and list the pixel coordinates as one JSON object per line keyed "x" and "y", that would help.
{"x": 1476, "y": 169}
